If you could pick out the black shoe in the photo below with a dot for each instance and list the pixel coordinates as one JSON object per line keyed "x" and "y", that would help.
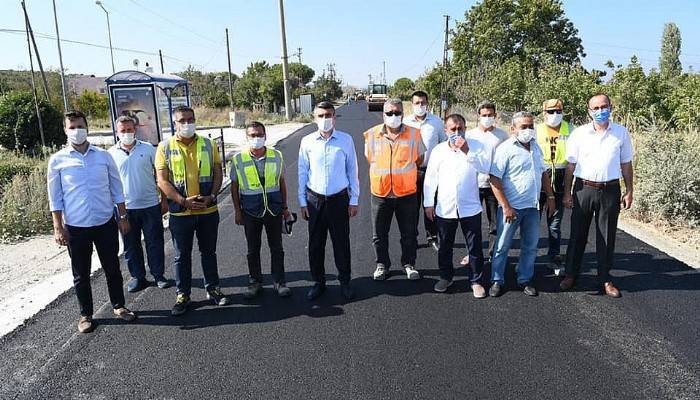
{"x": 347, "y": 291}
{"x": 495, "y": 290}
{"x": 433, "y": 242}
{"x": 252, "y": 291}
{"x": 528, "y": 289}
{"x": 181, "y": 304}
{"x": 316, "y": 291}
{"x": 136, "y": 285}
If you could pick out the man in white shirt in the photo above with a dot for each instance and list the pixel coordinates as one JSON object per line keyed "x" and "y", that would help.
{"x": 453, "y": 174}
{"x": 490, "y": 136}
{"x": 432, "y": 132}
{"x": 598, "y": 155}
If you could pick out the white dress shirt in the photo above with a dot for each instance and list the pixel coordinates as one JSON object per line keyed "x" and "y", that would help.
{"x": 432, "y": 131}
{"x": 490, "y": 140}
{"x": 598, "y": 155}
{"x": 328, "y": 166}
{"x": 454, "y": 176}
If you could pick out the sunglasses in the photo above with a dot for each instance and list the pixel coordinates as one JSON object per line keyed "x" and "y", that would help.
{"x": 393, "y": 113}
{"x": 553, "y": 111}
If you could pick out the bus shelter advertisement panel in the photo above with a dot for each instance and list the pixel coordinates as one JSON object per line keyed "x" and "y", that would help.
{"x": 139, "y": 103}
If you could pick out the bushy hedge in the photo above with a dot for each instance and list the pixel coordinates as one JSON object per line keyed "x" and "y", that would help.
{"x": 667, "y": 175}
{"x": 19, "y": 127}
{"x": 24, "y": 207}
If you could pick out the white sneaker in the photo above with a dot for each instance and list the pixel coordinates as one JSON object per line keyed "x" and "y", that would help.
{"x": 559, "y": 272}
{"x": 411, "y": 272}
{"x": 465, "y": 260}
{"x": 380, "y": 273}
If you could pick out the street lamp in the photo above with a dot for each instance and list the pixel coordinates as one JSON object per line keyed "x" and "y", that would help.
{"x": 109, "y": 33}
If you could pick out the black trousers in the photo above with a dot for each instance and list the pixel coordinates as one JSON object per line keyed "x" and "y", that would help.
{"x": 329, "y": 215}
{"x": 431, "y": 229}
{"x": 603, "y": 205}
{"x": 406, "y": 210}
{"x": 490, "y": 202}
{"x": 106, "y": 241}
{"x": 471, "y": 229}
{"x": 253, "y": 235}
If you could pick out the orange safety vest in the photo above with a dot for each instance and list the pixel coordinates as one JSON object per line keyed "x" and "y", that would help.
{"x": 392, "y": 165}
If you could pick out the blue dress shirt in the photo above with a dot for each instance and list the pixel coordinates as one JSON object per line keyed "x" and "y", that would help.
{"x": 84, "y": 186}
{"x": 327, "y": 166}
{"x": 520, "y": 171}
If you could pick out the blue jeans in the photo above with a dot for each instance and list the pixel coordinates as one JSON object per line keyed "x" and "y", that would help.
{"x": 183, "y": 229}
{"x": 528, "y": 220}
{"x": 150, "y": 222}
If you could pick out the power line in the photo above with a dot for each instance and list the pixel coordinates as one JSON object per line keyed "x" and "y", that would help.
{"x": 178, "y": 24}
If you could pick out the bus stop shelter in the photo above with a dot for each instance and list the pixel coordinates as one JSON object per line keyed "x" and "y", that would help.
{"x": 149, "y": 98}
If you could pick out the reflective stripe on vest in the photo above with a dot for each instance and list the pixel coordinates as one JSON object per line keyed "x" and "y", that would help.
{"x": 255, "y": 198}
{"x": 543, "y": 141}
{"x": 177, "y": 168}
{"x": 392, "y": 165}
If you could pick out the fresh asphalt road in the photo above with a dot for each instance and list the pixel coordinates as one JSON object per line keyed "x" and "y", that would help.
{"x": 398, "y": 339}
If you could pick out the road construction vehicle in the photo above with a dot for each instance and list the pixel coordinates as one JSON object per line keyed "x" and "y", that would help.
{"x": 376, "y": 96}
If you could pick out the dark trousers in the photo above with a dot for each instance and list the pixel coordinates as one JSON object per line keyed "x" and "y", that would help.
{"x": 253, "y": 235}
{"x": 490, "y": 202}
{"x": 150, "y": 222}
{"x": 106, "y": 242}
{"x": 554, "y": 222}
{"x": 471, "y": 229}
{"x": 406, "y": 210}
{"x": 431, "y": 229}
{"x": 329, "y": 215}
{"x": 183, "y": 229}
{"x": 604, "y": 206}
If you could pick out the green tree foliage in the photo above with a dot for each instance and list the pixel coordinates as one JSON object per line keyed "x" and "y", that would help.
{"x": 498, "y": 30}
{"x": 669, "y": 61}
{"x": 430, "y": 82}
{"x": 19, "y": 127}
{"x": 262, "y": 85}
{"x": 326, "y": 88}
{"x": 208, "y": 89}
{"x": 503, "y": 83}
{"x": 403, "y": 87}
{"x": 684, "y": 101}
{"x": 92, "y": 104}
{"x": 637, "y": 95}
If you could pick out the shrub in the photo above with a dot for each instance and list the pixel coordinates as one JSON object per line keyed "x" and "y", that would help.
{"x": 24, "y": 206}
{"x": 19, "y": 127}
{"x": 93, "y": 105}
{"x": 667, "y": 176}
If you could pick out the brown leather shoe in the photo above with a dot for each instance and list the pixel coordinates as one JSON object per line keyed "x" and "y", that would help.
{"x": 85, "y": 324}
{"x": 611, "y": 290}
{"x": 567, "y": 283}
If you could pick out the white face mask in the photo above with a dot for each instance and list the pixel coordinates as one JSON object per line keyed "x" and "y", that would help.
{"x": 76, "y": 136}
{"x": 526, "y": 135}
{"x": 553, "y": 120}
{"x": 325, "y": 124}
{"x": 393, "y": 122}
{"x": 187, "y": 130}
{"x": 256, "y": 142}
{"x": 128, "y": 138}
{"x": 420, "y": 110}
{"x": 487, "y": 122}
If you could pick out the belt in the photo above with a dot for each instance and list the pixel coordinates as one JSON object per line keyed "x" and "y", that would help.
{"x": 601, "y": 185}
{"x": 319, "y": 196}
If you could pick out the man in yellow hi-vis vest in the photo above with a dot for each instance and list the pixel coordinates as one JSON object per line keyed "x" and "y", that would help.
{"x": 188, "y": 168}
{"x": 259, "y": 195}
{"x": 552, "y": 136}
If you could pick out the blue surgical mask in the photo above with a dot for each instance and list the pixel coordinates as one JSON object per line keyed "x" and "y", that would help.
{"x": 601, "y": 116}
{"x": 453, "y": 137}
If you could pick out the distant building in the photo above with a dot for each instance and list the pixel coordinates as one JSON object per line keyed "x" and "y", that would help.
{"x": 77, "y": 84}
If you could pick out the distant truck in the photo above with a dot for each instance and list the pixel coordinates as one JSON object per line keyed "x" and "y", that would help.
{"x": 376, "y": 96}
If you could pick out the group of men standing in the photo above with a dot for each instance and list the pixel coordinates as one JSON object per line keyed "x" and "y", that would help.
{"x": 415, "y": 162}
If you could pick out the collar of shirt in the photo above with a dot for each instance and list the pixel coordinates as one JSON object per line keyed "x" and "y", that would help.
{"x": 127, "y": 151}
{"x": 72, "y": 149}
{"x": 321, "y": 137}
{"x": 414, "y": 118}
{"x": 384, "y": 132}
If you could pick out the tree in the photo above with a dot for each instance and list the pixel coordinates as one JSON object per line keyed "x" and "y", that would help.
{"x": 498, "y": 30}
{"x": 403, "y": 87}
{"x": 92, "y": 104}
{"x": 19, "y": 127}
{"x": 669, "y": 61}
{"x": 431, "y": 82}
{"x": 326, "y": 88}
{"x": 635, "y": 94}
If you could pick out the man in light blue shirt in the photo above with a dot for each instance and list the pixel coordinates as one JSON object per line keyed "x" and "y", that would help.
{"x": 84, "y": 185}
{"x": 145, "y": 209}
{"x": 432, "y": 132}
{"x": 517, "y": 176}
{"x": 329, "y": 189}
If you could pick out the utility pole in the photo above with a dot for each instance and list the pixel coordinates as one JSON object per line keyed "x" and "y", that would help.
{"x": 109, "y": 33}
{"x": 370, "y": 79}
{"x": 230, "y": 79}
{"x": 31, "y": 67}
{"x": 285, "y": 73}
{"x": 443, "y": 87}
{"x": 60, "y": 60}
{"x": 384, "y": 72}
{"x": 162, "y": 68}
{"x": 299, "y": 54}
{"x": 36, "y": 51}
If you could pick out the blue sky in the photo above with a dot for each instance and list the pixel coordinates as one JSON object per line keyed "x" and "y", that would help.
{"x": 354, "y": 35}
